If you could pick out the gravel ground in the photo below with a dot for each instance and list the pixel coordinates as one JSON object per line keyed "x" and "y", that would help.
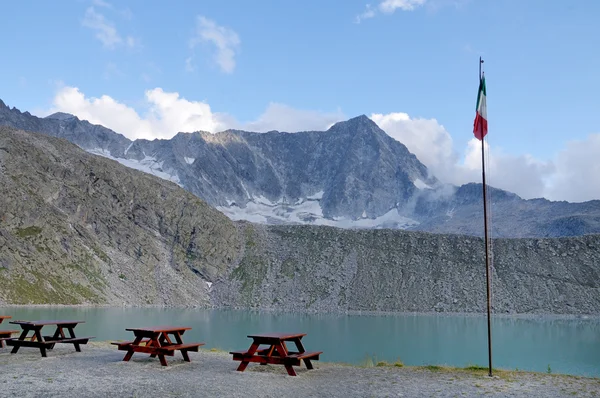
{"x": 99, "y": 371}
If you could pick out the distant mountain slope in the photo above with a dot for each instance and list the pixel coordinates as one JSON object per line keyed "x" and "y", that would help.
{"x": 352, "y": 176}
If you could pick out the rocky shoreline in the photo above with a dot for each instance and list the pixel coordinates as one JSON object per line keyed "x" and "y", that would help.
{"x": 314, "y": 312}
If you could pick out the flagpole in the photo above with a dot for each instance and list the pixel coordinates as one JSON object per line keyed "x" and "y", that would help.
{"x": 487, "y": 246}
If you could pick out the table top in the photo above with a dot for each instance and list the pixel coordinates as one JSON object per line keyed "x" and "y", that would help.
{"x": 161, "y": 329}
{"x": 4, "y": 317}
{"x": 279, "y": 336}
{"x": 50, "y": 322}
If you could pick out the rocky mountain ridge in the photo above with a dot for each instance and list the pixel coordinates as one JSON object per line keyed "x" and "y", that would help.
{"x": 353, "y": 175}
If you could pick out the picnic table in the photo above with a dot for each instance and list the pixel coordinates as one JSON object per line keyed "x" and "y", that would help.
{"x": 157, "y": 342}
{"x": 5, "y": 334}
{"x": 37, "y": 340}
{"x": 274, "y": 351}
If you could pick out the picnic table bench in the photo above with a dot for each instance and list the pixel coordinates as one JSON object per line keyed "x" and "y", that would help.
{"x": 270, "y": 348}
{"x": 37, "y": 340}
{"x": 5, "y": 334}
{"x": 156, "y": 342}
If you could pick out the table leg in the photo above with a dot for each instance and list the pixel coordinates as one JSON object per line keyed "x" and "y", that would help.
{"x": 301, "y": 349}
{"x": 250, "y": 351}
{"x": 283, "y": 352}
{"x": 162, "y": 359}
{"x": 130, "y": 351}
{"x": 290, "y": 370}
{"x": 23, "y": 336}
{"x": 184, "y": 353}
{"x": 38, "y": 335}
{"x": 161, "y": 341}
{"x": 155, "y": 341}
{"x": 71, "y": 335}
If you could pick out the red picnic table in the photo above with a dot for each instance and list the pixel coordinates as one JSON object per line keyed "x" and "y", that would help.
{"x": 5, "y": 334}
{"x": 157, "y": 342}
{"x": 37, "y": 340}
{"x": 276, "y": 352}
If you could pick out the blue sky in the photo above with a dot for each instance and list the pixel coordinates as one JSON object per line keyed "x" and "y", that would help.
{"x": 148, "y": 68}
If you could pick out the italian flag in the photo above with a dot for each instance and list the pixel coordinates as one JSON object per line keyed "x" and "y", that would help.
{"x": 480, "y": 127}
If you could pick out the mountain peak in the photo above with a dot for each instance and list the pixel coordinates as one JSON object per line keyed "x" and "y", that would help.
{"x": 2, "y": 104}
{"x": 355, "y": 124}
{"x": 60, "y": 116}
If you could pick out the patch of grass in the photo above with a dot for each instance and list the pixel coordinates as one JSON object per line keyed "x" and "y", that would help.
{"x": 251, "y": 272}
{"x": 28, "y": 231}
{"x": 433, "y": 368}
{"x": 369, "y": 361}
{"x": 44, "y": 288}
{"x": 476, "y": 367}
{"x": 101, "y": 255}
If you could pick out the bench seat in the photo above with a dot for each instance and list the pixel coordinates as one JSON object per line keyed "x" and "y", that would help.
{"x": 29, "y": 343}
{"x": 183, "y": 347}
{"x": 5, "y": 335}
{"x": 305, "y": 355}
{"x": 292, "y": 359}
{"x": 124, "y": 345}
{"x": 263, "y": 351}
{"x": 72, "y": 340}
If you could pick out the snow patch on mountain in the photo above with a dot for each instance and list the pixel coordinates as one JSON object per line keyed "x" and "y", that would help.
{"x": 318, "y": 196}
{"x": 189, "y": 160}
{"x": 308, "y": 211}
{"x": 421, "y": 185}
{"x": 148, "y": 165}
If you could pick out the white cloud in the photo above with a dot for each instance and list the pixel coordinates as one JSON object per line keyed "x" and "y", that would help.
{"x": 101, "y": 3}
{"x": 285, "y": 118}
{"x": 189, "y": 65}
{"x": 521, "y": 174}
{"x": 131, "y": 42}
{"x": 225, "y": 40}
{"x": 389, "y": 7}
{"x": 426, "y": 138}
{"x": 577, "y": 176}
{"x": 169, "y": 113}
{"x": 433, "y": 145}
{"x": 105, "y": 30}
{"x": 368, "y": 13}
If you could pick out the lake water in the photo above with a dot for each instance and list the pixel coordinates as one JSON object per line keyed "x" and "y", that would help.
{"x": 570, "y": 346}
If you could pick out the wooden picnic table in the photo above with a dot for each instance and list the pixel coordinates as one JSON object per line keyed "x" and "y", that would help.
{"x": 5, "y": 334}
{"x": 158, "y": 341}
{"x": 274, "y": 351}
{"x": 37, "y": 340}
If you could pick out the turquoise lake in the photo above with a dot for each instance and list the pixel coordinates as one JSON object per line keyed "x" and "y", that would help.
{"x": 565, "y": 345}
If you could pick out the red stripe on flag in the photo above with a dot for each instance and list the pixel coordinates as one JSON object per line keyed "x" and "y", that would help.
{"x": 480, "y": 127}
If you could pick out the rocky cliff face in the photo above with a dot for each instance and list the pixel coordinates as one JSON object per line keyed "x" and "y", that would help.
{"x": 77, "y": 228}
{"x": 329, "y": 269}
